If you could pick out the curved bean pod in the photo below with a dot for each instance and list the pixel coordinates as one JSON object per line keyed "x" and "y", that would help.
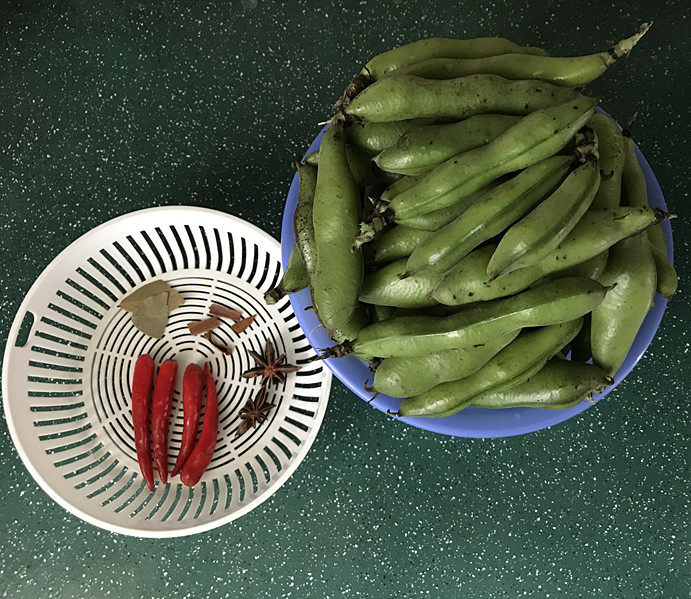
{"x": 435, "y": 220}
{"x": 553, "y": 302}
{"x": 401, "y": 97}
{"x": 488, "y": 216}
{"x": 302, "y": 261}
{"x": 379, "y": 313}
{"x": 374, "y": 138}
{"x": 667, "y": 279}
{"x": 611, "y": 149}
{"x": 534, "y": 138}
{"x": 560, "y": 384}
{"x": 294, "y": 279}
{"x": 538, "y": 234}
{"x": 397, "y": 242}
{"x": 513, "y": 365}
{"x": 436, "y": 310}
{"x": 405, "y": 377}
{"x": 592, "y": 268}
{"x": 336, "y": 283}
{"x": 437, "y": 47}
{"x": 423, "y": 148}
{"x": 350, "y": 330}
{"x": 597, "y": 231}
{"x": 303, "y": 225}
{"x": 385, "y": 287}
{"x": 566, "y": 71}
{"x": 635, "y": 193}
{"x": 615, "y": 322}
{"x": 364, "y": 169}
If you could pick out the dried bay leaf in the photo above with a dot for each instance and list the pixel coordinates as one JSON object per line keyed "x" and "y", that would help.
{"x": 151, "y": 316}
{"x": 135, "y": 299}
{"x": 175, "y": 300}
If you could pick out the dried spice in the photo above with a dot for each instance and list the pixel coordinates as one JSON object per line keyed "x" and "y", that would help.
{"x": 270, "y": 368}
{"x": 202, "y": 326}
{"x": 150, "y": 306}
{"x": 136, "y": 298}
{"x": 240, "y": 326}
{"x": 175, "y": 300}
{"x": 224, "y": 349}
{"x": 224, "y": 312}
{"x": 254, "y": 412}
{"x": 151, "y": 316}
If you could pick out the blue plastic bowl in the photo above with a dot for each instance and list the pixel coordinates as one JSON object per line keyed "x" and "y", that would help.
{"x": 471, "y": 422}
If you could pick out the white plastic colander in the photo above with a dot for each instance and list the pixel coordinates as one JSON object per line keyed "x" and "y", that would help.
{"x": 66, "y": 390}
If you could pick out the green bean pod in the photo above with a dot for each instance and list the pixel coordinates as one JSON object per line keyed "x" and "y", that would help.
{"x": 592, "y": 268}
{"x": 437, "y": 47}
{"x": 374, "y": 138}
{"x": 518, "y": 361}
{"x": 566, "y": 71}
{"x": 635, "y": 193}
{"x": 397, "y": 242}
{"x": 597, "y": 231}
{"x": 615, "y": 322}
{"x": 294, "y": 279}
{"x": 385, "y": 287}
{"x": 303, "y": 224}
{"x": 405, "y": 377}
{"x": 560, "y": 384}
{"x": 365, "y": 171}
{"x": 667, "y": 279}
{"x": 488, "y": 216}
{"x": 534, "y": 138}
{"x": 302, "y": 258}
{"x": 423, "y": 148}
{"x": 401, "y": 185}
{"x": 538, "y": 234}
{"x": 337, "y": 278}
{"x": 358, "y": 321}
{"x": 611, "y": 148}
{"x": 380, "y": 313}
{"x": 553, "y": 302}
{"x": 435, "y": 220}
{"x": 401, "y": 97}
{"x": 436, "y": 310}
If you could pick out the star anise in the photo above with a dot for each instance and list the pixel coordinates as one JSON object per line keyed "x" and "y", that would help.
{"x": 254, "y": 412}
{"x": 269, "y": 367}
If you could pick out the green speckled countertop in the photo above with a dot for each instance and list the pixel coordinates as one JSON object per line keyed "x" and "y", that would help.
{"x": 138, "y": 103}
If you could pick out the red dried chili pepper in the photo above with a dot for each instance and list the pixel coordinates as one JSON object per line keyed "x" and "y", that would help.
{"x": 142, "y": 383}
{"x": 201, "y": 455}
{"x": 192, "y": 386}
{"x": 160, "y": 415}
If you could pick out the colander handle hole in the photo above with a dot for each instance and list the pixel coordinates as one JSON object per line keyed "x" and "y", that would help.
{"x": 25, "y": 330}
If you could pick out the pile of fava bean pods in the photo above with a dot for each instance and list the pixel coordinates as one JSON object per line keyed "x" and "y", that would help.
{"x": 469, "y": 218}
